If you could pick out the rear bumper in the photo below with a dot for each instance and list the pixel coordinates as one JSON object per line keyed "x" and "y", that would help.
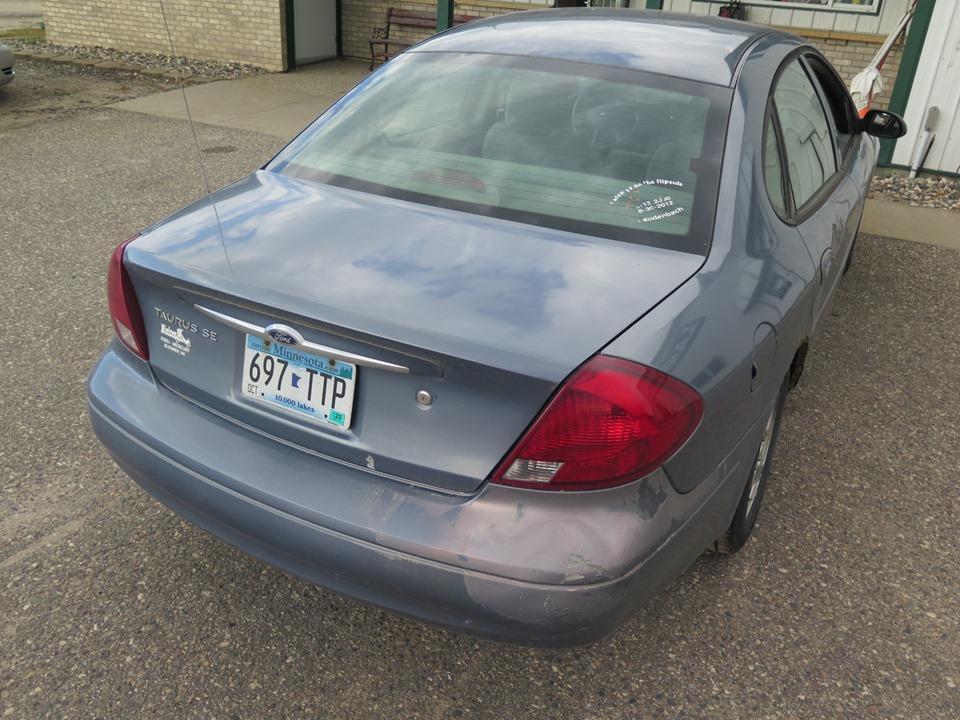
{"x": 520, "y": 566}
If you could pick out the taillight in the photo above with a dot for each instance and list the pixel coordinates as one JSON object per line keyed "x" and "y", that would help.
{"x": 612, "y": 421}
{"x": 124, "y": 309}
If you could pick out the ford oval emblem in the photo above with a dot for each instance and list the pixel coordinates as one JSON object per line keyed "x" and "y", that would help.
{"x": 284, "y": 334}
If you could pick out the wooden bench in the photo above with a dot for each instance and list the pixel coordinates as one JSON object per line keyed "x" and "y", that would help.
{"x": 381, "y": 43}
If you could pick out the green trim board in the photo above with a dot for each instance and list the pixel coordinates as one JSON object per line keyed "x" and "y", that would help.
{"x": 339, "y": 12}
{"x": 444, "y": 15}
{"x": 288, "y": 32}
{"x": 909, "y": 61}
{"x": 654, "y": 4}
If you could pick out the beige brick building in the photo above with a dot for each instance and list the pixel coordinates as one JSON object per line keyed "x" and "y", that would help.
{"x": 849, "y": 32}
{"x": 359, "y": 17}
{"x": 850, "y": 46}
{"x": 249, "y": 31}
{"x": 850, "y": 53}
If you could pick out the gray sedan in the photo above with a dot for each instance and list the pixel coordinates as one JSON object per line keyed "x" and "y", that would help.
{"x": 501, "y": 341}
{"x": 6, "y": 65}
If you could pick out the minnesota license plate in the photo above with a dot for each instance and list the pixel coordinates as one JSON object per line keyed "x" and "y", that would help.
{"x": 306, "y": 383}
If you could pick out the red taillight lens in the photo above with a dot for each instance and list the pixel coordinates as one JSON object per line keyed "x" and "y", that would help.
{"x": 612, "y": 422}
{"x": 124, "y": 309}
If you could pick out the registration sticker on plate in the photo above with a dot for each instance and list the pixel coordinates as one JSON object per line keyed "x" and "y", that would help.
{"x": 306, "y": 383}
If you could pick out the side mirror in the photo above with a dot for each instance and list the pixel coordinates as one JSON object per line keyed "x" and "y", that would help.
{"x": 884, "y": 124}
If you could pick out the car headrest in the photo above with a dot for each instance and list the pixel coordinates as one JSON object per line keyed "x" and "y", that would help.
{"x": 535, "y": 102}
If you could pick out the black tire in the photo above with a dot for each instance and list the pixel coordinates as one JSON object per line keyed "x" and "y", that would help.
{"x": 745, "y": 516}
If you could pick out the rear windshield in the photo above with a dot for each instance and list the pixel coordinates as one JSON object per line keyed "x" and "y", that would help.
{"x": 586, "y": 148}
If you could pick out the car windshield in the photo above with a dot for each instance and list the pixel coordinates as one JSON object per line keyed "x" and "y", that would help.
{"x": 586, "y": 148}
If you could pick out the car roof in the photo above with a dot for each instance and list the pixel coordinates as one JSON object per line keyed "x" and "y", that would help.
{"x": 694, "y": 47}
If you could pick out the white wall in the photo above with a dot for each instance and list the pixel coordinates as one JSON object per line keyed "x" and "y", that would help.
{"x": 936, "y": 84}
{"x": 882, "y": 24}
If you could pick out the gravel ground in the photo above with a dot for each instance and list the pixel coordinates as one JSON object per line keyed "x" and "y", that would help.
{"x": 44, "y": 89}
{"x": 207, "y": 69}
{"x": 845, "y": 604}
{"x": 932, "y": 192}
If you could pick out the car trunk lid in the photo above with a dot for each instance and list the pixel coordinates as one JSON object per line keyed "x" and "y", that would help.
{"x": 486, "y": 316}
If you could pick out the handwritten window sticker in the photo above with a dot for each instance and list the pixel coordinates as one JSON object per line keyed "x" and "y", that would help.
{"x": 662, "y": 216}
{"x": 632, "y": 200}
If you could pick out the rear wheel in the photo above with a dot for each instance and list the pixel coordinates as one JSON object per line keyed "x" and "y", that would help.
{"x": 745, "y": 516}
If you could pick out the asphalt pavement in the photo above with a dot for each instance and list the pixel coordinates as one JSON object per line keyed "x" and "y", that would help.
{"x": 845, "y": 604}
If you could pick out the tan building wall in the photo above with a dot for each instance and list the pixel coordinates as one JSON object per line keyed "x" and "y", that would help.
{"x": 252, "y": 31}
{"x": 359, "y": 17}
{"x": 248, "y": 31}
{"x": 849, "y": 52}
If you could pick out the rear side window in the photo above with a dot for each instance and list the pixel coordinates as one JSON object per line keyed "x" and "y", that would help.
{"x": 592, "y": 149}
{"x": 839, "y": 103}
{"x": 773, "y": 168}
{"x": 809, "y": 146}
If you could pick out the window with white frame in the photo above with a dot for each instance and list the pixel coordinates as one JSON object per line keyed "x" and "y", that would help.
{"x": 868, "y": 6}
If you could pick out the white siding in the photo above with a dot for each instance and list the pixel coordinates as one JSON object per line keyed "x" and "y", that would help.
{"x": 882, "y": 24}
{"x": 823, "y": 21}
{"x": 847, "y": 22}
{"x": 936, "y": 85}
{"x": 871, "y": 23}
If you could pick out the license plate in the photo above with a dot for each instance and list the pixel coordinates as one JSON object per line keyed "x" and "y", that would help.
{"x": 306, "y": 383}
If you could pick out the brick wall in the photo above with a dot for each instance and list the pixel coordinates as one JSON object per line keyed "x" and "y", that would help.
{"x": 359, "y": 17}
{"x": 249, "y": 31}
{"x": 849, "y": 52}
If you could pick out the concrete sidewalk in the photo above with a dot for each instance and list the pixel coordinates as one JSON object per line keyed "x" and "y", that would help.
{"x": 275, "y": 104}
{"x": 905, "y": 222}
